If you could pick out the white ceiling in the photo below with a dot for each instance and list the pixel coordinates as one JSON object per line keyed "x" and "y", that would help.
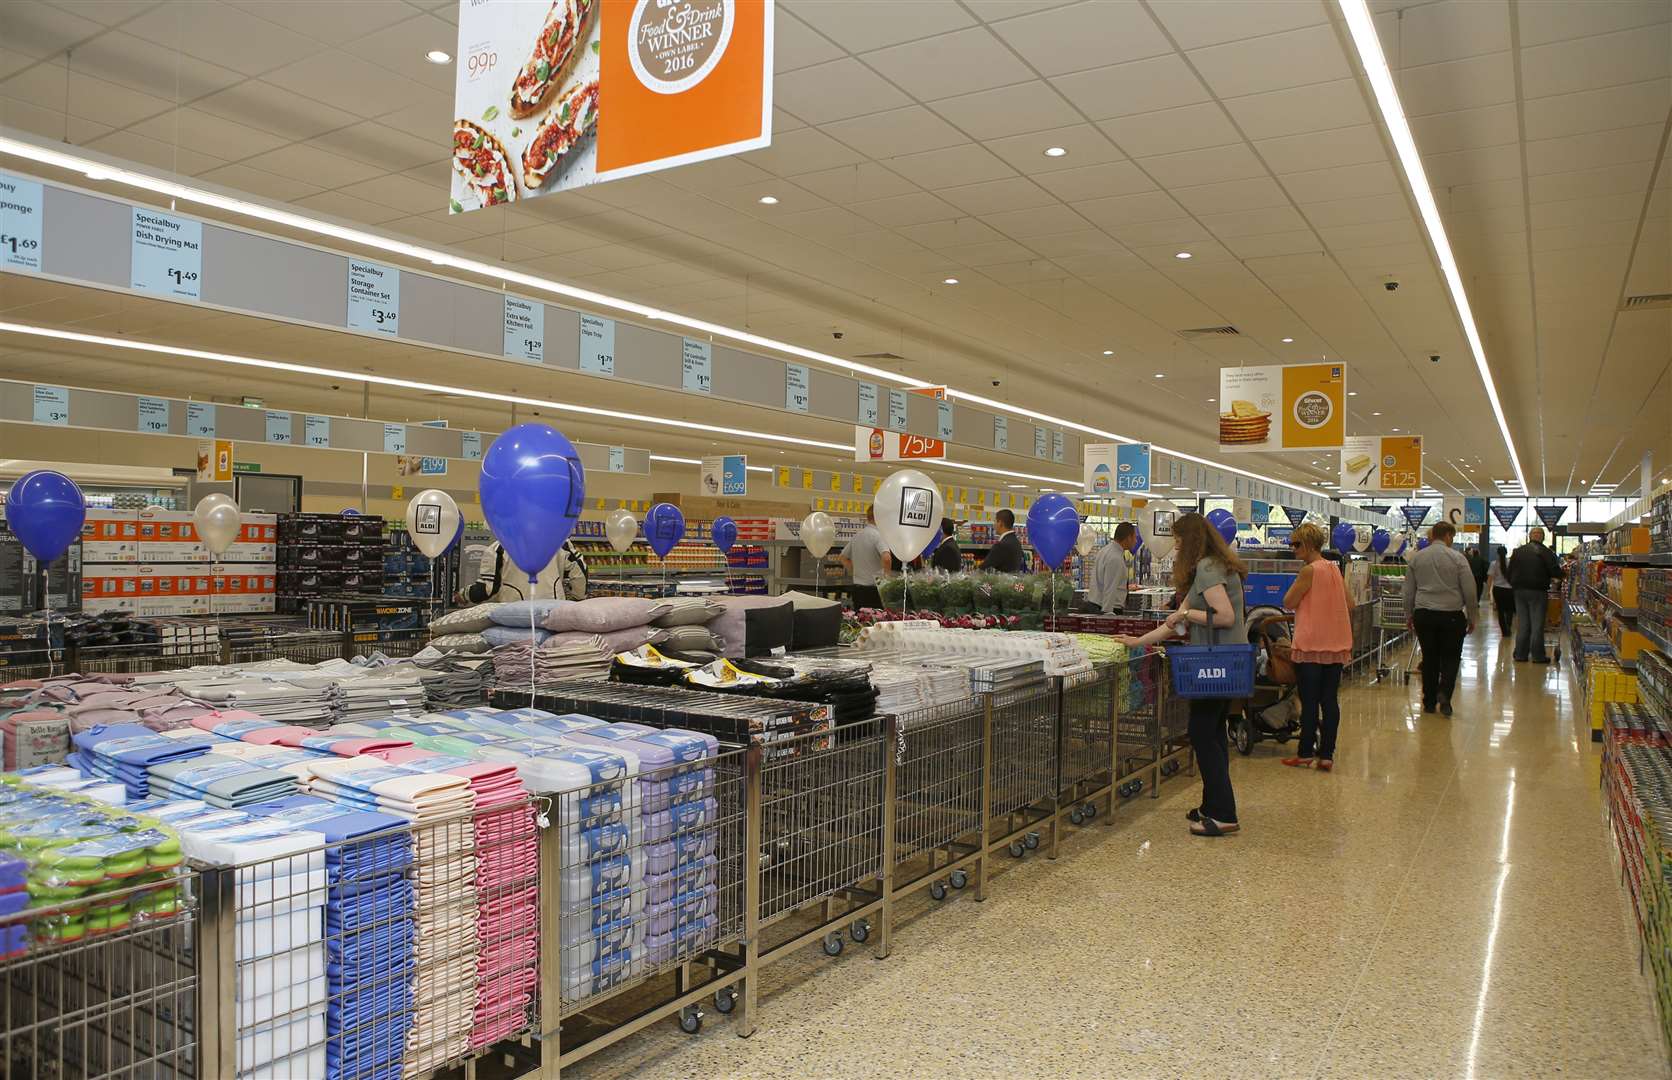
{"x": 908, "y": 148}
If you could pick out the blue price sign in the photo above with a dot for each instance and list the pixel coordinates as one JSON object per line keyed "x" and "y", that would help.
{"x": 797, "y": 381}
{"x": 316, "y": 431}
{"x": 394, "y": 438}
{"x": 432, "y": 466}
{"x": 200, "y": 419}
{"x": 167, "y": 255}
{"x": 471, "y": 445}
{"x": 1132, "y": 467}
{"x": 52, "y": 405}
{"x": 279, "y": 428}
{"x": 153, "y": 416}
{"x": 897, "y": 410}
{"x": 20, "y": 223}
{"x": 868, "y": 412}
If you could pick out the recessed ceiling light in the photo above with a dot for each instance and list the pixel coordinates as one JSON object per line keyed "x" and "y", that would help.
{"x": 1288, "y": 341}
{"x": 1055, "y": 151}
{"x": 1210, "y": 400}
{"x": 769, "y": 200}
{"x": 1375, "y": 414}
{"x": 1159, "y": 375}
{"x": 949, "y": 281}
{"x": 1182, "y": 255}
{"x": 1108, "y": 352}
{"x": 1352, "y": 393}
{"x": 438, "y": 56}
{"x": 1396, "y": 430}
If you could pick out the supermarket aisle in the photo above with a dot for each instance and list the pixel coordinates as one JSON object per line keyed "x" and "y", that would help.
{"x": 1444, "y": 904}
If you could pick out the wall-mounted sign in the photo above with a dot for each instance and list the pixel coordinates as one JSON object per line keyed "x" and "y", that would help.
{"x": 868, "y": 414}
{"x": 167, "y": 254}
{"x": 20, "y": 223}
{"x": 597, "y": 345}
{"x": 797, "y": 387}
{"x": 697, "y": 366}
{"x": 374, "y": 297}
{"x": 200, "y": 419}
{"x": 316, "y": 430}
{"x": 278, "y": 426}
{"x": 897, "y": 410}
{"x": 1293, "y": 407}
{"x": 677, "y": 82}
{"x": 1001, "y": 433}
{"x": 153, "y": 415}
{"x": 525, "y": 329}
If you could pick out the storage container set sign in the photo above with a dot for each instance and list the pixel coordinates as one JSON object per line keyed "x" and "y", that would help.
{"x": 549, "y": 97}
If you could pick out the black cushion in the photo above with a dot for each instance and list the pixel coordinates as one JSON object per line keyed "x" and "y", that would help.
{"x": 768, "y": 628}
{"x": 818, "y": 628}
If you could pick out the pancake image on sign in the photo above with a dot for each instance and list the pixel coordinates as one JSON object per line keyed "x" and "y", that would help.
{"x": 1245, "y": 425}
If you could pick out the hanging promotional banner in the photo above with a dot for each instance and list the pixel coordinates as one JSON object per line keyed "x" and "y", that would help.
{"x": 549, "y": 97}
{"x": 1381, "y": 463}
{"x": 1506, "y": 515}
{"x": 1414, "y": 515}
{"x": 1474, "y": 511}
{"x": 1260, "y": 514}
{"x": 880, "y": 444}
{"x": 1099, "y": 468}
{"x": 1296, "y": 515}
{"x": 1550, "y": 515}
{"x": 1378, "y": 509}
{"x": 1295, "y": 407}
{"x": 725, "y": 474}
{"x": 214, "y": 460}
{"x": 1132, "y": 468}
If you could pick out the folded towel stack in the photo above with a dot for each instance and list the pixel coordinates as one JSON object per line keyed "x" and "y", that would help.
{"x": 127, "y": 752}
{"x": 221, "y": 780}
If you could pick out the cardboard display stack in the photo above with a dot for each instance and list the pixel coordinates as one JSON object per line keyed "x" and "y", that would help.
{"x": 23, "y": 584}
{"x": 149, "y": 562}
{"x": 328, "y": 555}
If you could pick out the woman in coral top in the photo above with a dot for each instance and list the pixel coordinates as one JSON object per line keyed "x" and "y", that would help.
{"x": 1323, "y": 644}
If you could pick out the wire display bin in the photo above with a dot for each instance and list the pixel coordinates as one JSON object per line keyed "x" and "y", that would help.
{"x": 1022, "y": 761}
{"x": 1086, "y": 746}
{"x": 939, "y": 799}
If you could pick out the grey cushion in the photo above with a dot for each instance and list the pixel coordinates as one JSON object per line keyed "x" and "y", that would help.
{"x": 691, "y": 639}
{"x": 618, "y": 641}
{"x": 689, "y": 611}
{"x": 517, "y": 612}
{"x": 602, "y": 614}
{"x": 807, "y": 601}
{"x": 470, "y": 643}
{"x": 472, "y": 620}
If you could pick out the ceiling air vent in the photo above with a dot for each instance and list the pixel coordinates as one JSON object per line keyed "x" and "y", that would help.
{"x": 879, "y": 356}
{"x": 1211, "y": 331}
{"x": 1647, "y": 301}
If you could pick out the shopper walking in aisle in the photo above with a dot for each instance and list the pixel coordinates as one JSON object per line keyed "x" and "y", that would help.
{"x": 1531, "y": 570}
{"x": 1110, "y": 570}
{"x": 1478, "y": 567}
{"x": 947, "y": 556}
{"x": 1323, "y": 644}
{"x": 1210, "y": 577}
{"x": 1005, "y": 556}
{"x": 862, "y": 558}
{"x": 1503, "y": 596}
{"x": 1440, "y": 607}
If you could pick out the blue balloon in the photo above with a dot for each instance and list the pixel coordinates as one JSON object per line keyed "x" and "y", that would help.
{"x": 1222, "y": 520}
{"x": 1053, "y": 526}
{"x": 664, "y": 527}
{"x": 934, "y": 542}
{"x": 348, "y": 511}
{"x": 1344, "y": 536}
{"x": 532, "y": 486}
{"x": 1379, "y": 540}
{"x": 1422, "y": 543}
{"x": 724, "y": 533}
{"x": 46, "y": 511}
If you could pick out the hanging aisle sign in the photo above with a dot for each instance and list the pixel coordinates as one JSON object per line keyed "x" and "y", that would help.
{"x": 697, "y": 366}
{"x": 153, "y": 416}
{"x": 1296, "y": 515}
{"x": 1099, "y": 466}
{"x": 1294, "y": 407}
{"x": 868, "y": 414}
{"x": 1474, "y": 511}
{"x": 1506, "y": 515}
{"x": 316, "y": 430}
{"x": 167, "y": 254}
{"x": 553, "y": 96}
{"x": 1001, "y": 433}
{"x": 374, "y": 297}
{"x": 597, "y": 345}
{"x": 1381, "y": 463}
{"x": 1041, "y": 443}
{"x": 1550, "y": 515}
{"x": 525, "y": 329}
{"x": 1415, "y": 515}
{"x": 51, "y": 405}
{"x": 725, "y": 474}
{"x": 797, "y": 383}
{"x": 20, "y": 223}
{"x": 897, "y": 410}
{"x": 880, "y": 444}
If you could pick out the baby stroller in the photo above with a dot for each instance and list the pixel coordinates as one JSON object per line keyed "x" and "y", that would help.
{"x": 1273, "y": 711}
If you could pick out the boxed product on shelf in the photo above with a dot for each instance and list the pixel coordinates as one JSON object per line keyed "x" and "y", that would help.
{"x": 178, "y": 588}
{"x": 25, "y": 587}
{"x": 168, "y": 536}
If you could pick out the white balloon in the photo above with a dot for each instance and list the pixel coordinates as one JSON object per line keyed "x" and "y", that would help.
{"x": 1362, "y": 535}
{"x": 432, "y": 520}
{"x": 909, "y": 508}
{"x": 1086, "y": 542}
{"x": 217, "y": 521}
{"x": 1155, "y": 525}
{"x": 622, "y": 528}
{"x": 818, "y": 533}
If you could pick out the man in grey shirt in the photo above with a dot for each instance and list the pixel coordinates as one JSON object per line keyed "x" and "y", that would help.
{"x": 863, "y": 559}
{"x": 1440, "y": 607}
{"x": 1109, "y": 573}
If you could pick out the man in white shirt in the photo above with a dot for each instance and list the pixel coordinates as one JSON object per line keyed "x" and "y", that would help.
{"x": 863, "y": 558}
{"x": 1110, "y": 573}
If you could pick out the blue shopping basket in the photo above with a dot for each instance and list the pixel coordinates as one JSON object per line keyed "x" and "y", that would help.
{"x": 1212, "y": 671}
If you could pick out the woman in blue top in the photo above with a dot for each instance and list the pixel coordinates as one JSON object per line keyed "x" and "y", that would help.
{"x": 1210, "y": 577}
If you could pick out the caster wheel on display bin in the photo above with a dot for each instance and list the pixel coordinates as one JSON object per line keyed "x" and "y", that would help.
{"x": 1137, "y": 787}
{"x": 1031, "y": 840}
{"x": 959, "y": 879}
{"x": 833, "y": 944}
{"x": 859, "y": 931}
{"x": 1089, "y": 810}
{"x": 1077, "y": 816}
{"x": 725, "y": 1000}
{"x": 690, "y": 1020}
{"x": 937, "y": 890}
{"x": 1016, "y": 849}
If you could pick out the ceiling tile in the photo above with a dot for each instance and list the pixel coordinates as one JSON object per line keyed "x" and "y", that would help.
{"x": 862, "y": 25}
{"x": 1595, "y": 110}
{"x": 1616, "y": 147}
{"x": 401, "y": 49}
{"x": 1039, "y": 221}
{"x": 1320, "y": 107}
{"x": 1092, "y": 34}
{"x": 949, "y": 65}
{"x": 1326, "y": 184}
{"x": 797, "y": 45}
{"x": 1420, "y": 34}
{"x": 1440, "y": 133}
{"x": 897, "y": 131}
{"x": 1161, "y": 82}
{"x": 1011, "y": 110}
{"x": 1239, "y": 223}
{"x": 1545, "y": 21}
{"x": 1583, "y": 183}
{"x": 1323, "y": 149}
{"x": 953, "y": 166}
{"x": 1191, "y": 167}
{"x": 223, "y": 34}
{"x": 90, "y": 98}
{"x": 1077, "y": 242}
{"x": 1191, "y": 127}
{"x": 1086, "y": 145}
{"x": 1115, "y": 211}
{"x": 1472, "y": 166}
{"x": 1231, "y": 195}
{"x": 1358, "y": 210}
{"x": 1095, "y": 181}
{"x": 1458, "y": 84}
{"x": 328, "y": 20}
{"x": 806, "y": 150}
{"x": 997, "y": 195}
{"x": 196, "y": 128}
{"x": 156, "y": 153}
{"x": 1594, "y": 62}
{"x": 349, "y": 208}
{"x": 953, "y": 232}
{"x": 994, "y": 10}
{"x": 1377, "y": 234}
{"x": 331, "y": 75}
{"x": 314, "y": 166}
{"x": 262, "y": 184}
{"x": 372, "y": 142}
{"x": 1213, "y": 22}
{"x": 1266, "y": 245}
{"x": 1174, "y": 231}
{"x": 1273, "y": 62}
{"x": 412, "y": 196}
{"x": 854, "y": 183}
{"x": 991, "y": 253}
{"x": 126, "y": 60}
{"x": 37, "y": 30}
{"x": 835, "y": 91}
{"x": 913, "y": 209}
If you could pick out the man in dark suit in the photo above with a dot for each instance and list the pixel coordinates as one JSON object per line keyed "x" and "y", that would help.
{"x": 1005, "y": 556}
{"x": 947, "y": 556}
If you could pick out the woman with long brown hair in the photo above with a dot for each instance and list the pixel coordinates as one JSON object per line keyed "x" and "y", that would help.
{"x": 1209, "y": 577}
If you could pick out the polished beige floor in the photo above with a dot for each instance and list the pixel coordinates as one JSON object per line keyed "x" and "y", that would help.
{"x": 1442, "y": 905}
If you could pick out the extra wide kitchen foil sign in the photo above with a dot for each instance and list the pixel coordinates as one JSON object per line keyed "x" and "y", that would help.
{"x": 553, "y": 96}
{"x": 1293, "y": 407}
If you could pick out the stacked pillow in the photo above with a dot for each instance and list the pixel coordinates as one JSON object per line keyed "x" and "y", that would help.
{"x": 461, "y": 630}
{"x": 627, "y": 622}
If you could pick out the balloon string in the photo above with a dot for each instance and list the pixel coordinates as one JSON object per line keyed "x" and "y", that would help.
{"x": 46, "y": 599}
{"x": 532, "y": 645}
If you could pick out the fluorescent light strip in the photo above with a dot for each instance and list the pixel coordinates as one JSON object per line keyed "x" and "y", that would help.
{"x": 1363, "y": 30}
{"x": 101, "y": 171}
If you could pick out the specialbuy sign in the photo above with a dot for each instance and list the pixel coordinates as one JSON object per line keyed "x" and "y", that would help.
{"x": 554, "y": 96}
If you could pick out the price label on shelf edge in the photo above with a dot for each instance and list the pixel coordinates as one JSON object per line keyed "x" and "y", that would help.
{"x": 525, "y": 330}
{"x": 316, "y": 431}
{"x": 597, "y": 351}
{"x": 374, "y": 297}
{"x": 52, "y": 405}
{"x": 166, "y": 255}
{"x": 153, "y": 416}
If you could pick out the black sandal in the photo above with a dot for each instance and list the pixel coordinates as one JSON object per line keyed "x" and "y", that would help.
{"x": 1209, "y": 827}
{"x": 1194, "y": 815}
